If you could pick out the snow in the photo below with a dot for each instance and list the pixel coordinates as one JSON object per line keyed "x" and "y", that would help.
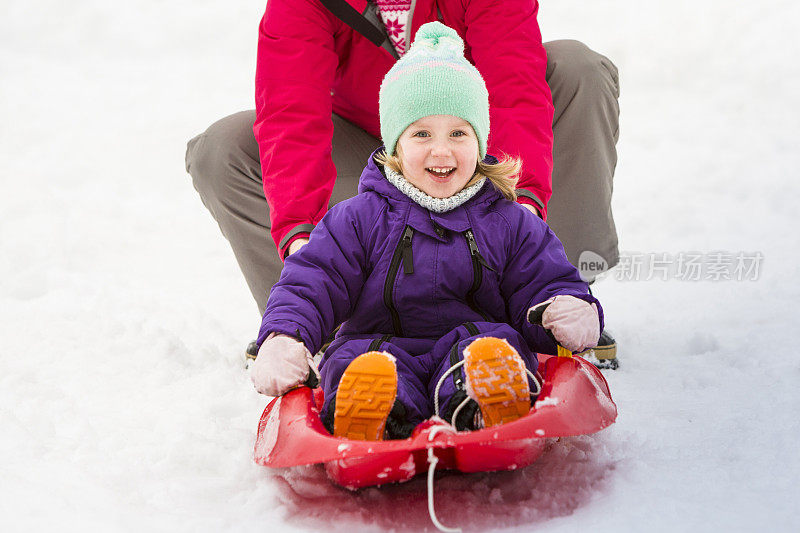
{"x": 124, "y": 405}
{"x": 544, "y": 402}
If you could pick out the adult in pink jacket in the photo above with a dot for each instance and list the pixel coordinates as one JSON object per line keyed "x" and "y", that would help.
{"x": 274, "y": 172}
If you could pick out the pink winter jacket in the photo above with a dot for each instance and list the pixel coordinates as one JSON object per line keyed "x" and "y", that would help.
{"x": 311, "y": 64}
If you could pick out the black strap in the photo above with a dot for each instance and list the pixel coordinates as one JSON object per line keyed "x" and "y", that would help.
{"x": 376, "y": 344}
{"x": 525, "y": 193}
{"x": 302, "y": 228}
{"x": 347, "y": 14}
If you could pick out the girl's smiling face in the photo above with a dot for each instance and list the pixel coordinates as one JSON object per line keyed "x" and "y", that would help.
{"x": 438, "y": 154}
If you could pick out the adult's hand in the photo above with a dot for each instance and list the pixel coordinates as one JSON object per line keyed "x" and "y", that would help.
{"x": 530, "y": 208}
{"x": 296, "y": 245}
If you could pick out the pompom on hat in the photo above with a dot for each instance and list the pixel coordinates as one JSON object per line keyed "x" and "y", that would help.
{"x": 433, "y": 78}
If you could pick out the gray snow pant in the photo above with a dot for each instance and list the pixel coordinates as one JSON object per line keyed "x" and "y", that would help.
{"x": 225, "y": 168}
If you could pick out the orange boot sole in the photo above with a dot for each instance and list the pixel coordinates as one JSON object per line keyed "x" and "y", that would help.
{"x": 497, "y": 380}
{"x": 365, "y": 397}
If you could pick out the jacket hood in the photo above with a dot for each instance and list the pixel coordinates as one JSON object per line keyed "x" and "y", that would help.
{"x": 373, "y": 179}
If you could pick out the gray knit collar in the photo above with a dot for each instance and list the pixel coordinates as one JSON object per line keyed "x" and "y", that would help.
{"x": 437, "y": 205}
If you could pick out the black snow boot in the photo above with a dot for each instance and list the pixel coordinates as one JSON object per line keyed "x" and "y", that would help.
{"x": 250, "y": 354}
{"x": 604, "y": 355}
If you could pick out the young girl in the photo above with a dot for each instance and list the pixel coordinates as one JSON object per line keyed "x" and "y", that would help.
{"x": 430, "y": 271}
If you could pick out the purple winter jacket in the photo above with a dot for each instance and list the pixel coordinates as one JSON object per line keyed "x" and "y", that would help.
{"x": 380, "y": 264}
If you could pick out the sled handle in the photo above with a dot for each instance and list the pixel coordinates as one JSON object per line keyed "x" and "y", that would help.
{"x": 535, "y": 315}
{"x": 312, "y": 381}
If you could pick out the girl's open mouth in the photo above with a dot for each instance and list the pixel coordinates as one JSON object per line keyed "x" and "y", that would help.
{"x": 440, "y": 172}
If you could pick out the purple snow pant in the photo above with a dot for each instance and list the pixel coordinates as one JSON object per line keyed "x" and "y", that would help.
{"x": 420, "y": 365}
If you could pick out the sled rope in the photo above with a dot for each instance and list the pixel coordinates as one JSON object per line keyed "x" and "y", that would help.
{"x": 457, "y": 410}
{"x": 535, "y": 380}
{"x": 467, "y": 399}
{"x": 432, "y": 461}
{"x": 439, "y": 386}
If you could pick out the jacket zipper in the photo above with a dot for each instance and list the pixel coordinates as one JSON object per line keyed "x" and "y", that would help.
{"x": 458, "y": 375}
{"x": 477, "y": 272}
{"x": 401, "y": 253}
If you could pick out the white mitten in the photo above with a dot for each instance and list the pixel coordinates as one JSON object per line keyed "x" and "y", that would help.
{"x": 282, "y": 364}
{"x": 574, "y": 323}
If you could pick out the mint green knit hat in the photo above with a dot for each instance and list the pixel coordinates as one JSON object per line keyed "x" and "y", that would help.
{"x": 433, "y": 78}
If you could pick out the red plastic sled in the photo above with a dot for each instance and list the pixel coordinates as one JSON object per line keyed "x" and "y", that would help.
{"x": 575, "y": 400}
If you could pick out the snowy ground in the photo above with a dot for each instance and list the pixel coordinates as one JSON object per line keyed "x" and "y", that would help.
{"x": 123, "y": 402}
